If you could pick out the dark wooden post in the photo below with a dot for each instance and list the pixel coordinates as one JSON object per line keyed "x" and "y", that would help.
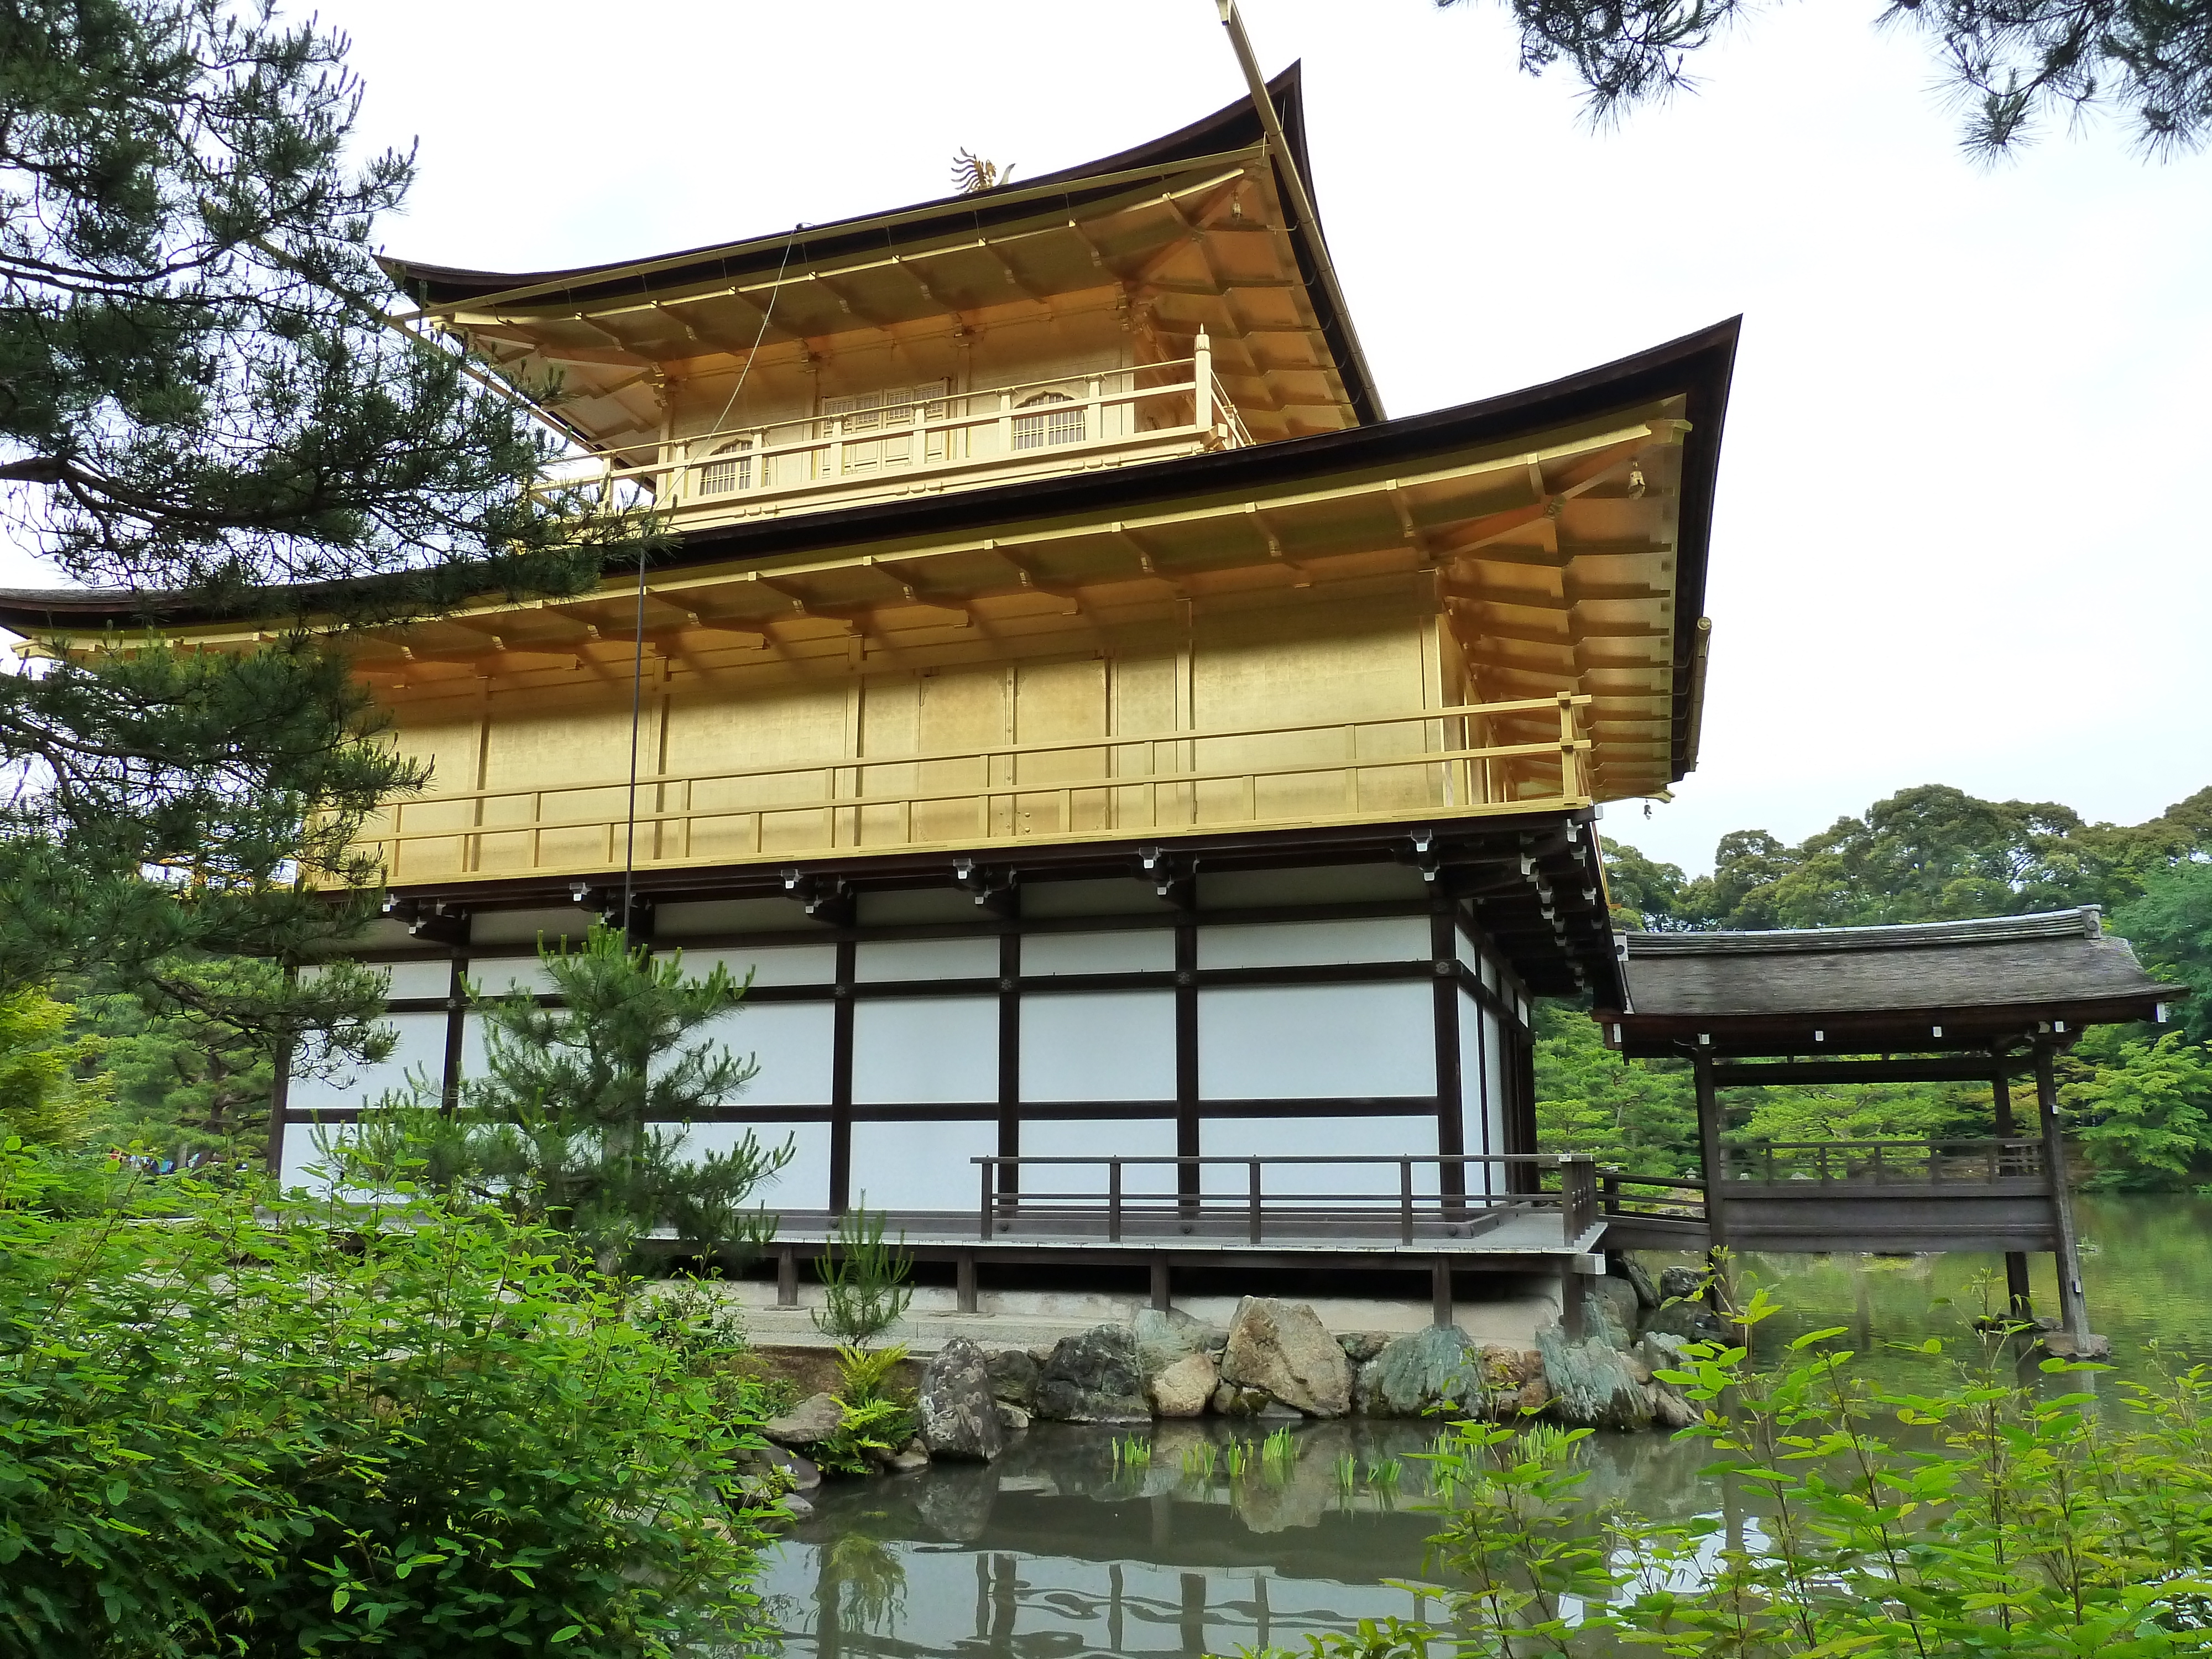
{"x": 1708, "y": 1148}
{"x": 1162, "y": 1290}
{"x": 1451, "y": 1122}
{"x": 1714, "y": 1156}
{"x": 2018, "y": 1303}
{"x": 1441, "y": 1311}
{"x": 2072, "y": 1314}
{"x": 786, "y": 1278}
{"x": 963, "y": 1281}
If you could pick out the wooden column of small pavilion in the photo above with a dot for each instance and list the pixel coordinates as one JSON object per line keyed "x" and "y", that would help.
{"x": 1993, "y": 1000}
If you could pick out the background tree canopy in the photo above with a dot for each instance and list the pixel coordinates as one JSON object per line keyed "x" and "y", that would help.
{"x": 2014, "y": 66}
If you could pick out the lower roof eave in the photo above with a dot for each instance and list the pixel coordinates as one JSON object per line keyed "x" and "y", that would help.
{"x": 1869, "y": 1031}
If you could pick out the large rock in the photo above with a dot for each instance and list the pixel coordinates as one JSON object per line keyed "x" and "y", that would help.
{"x": 1680, "y": 1284}
{"x": 1637, "y": 1277}
{"x": 959, "y": 1416}
{"x": 1360, "y": 1347}
{"x": 1014, "y": 1377}
{"x": 1692, "y": 1322}
{"x": 1093, "y": 1376}
{"x": 1282, "y": 1348}
{"x": 1669, "y": 1410}
{"x": 1164, "y": 1337}
{"x": 812, "y": 1421}
{"x": 1591, "y": 1384}
{"x": 1614, "y": 1303}
{"x": 1426, "y": 1373}
{"x": 1183, "y": 1389}
{"x": 1231, "y": 1401}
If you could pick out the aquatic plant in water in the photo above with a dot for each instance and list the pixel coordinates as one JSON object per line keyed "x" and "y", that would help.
{"x": 1199, "y": 1460}
{"x": 1135, "y": 1452}
{"x": 1236, "y": 1458}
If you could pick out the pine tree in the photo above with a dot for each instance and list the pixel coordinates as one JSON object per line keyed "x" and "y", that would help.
{"x": 2014, "y": 65}
{"x": 563, "y": 1130}
{"x": 205, "y": 405}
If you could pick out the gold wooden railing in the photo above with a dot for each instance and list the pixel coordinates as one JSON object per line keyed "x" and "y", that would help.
{"x": 984, "y": 431}
{"x": 1428, "y": 762}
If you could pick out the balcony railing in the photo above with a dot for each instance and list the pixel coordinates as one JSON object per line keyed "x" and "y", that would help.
{"x": 923, "y": 438}
{"x": 1985, "y": 1161}
{"x": 1430, "y": 762}
{"x": 1466, "y": 1194}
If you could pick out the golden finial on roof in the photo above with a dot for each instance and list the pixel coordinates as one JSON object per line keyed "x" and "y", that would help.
{"x": 972, "y": 172}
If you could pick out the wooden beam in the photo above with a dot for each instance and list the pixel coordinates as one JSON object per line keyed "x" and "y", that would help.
{"x": 1962, "y": 1068}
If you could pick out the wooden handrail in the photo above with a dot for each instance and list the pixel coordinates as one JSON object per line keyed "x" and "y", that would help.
{"x": 1058, "y": 745}
{"x": 1577, "y": 1204}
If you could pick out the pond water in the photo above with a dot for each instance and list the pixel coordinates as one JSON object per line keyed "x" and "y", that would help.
{"x": 1057, "y": 1551}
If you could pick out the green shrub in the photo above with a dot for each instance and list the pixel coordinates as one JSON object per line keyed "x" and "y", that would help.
{"x": 303, "y": 1428}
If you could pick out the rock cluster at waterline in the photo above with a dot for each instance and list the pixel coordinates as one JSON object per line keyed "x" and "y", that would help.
{"x": 1276, "y": 1360}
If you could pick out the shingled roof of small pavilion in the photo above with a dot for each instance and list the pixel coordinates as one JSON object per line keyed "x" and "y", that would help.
{"x": 1920, "y": 988}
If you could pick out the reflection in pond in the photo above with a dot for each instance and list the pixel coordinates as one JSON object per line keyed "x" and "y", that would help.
{"x": 1063, "y": 1548}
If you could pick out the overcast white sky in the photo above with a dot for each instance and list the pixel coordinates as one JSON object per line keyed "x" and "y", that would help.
{"x": 1961, "y": 534}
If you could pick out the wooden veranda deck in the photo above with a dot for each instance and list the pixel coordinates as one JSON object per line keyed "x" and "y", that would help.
{"x": 1440, "y": 1217}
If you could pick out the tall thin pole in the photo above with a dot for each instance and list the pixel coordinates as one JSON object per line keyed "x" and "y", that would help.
{"x": 1301, "y": 202}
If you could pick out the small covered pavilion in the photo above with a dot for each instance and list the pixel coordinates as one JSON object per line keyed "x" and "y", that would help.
{"x": 1992, "y": 1001}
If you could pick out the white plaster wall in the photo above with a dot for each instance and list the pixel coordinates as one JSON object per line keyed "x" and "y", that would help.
{"x": 920, "y": 1166}
{"x": 927, "y": 958}
{"x": 769, "y": 964}
{"x": 1493, "y": 1066}
{"x": 401, "y": 979}
{"x": 1098, "y": 1045}
{"x": 495, "y": 977}
{"x": 1297, "y": 1042}
{"x": 942, "y": 1050}
{"x": 1479, "y": 1126}
{"x": 1139, "y": 950}
{"x": 1120, "y": 1137}
{"x": 801, "y": 1184}
{"x": 421, "y": 1049}
{"x": 1314, "y": 943}
{"x": 790, "y": 1040}
{"x": 301, "y": 1151}
{"x": 1319, "y": 1136}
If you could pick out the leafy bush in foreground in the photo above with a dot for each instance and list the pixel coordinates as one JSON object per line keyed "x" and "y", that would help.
{"x": 1985, "y": 1515}
{"x": 302, "y": 1429}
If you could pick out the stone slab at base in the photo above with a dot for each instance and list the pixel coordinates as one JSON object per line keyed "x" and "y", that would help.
{"x": 1028, "y": 1319}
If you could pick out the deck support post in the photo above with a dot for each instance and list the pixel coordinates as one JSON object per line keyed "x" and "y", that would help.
{"x": 1441, "y": 1311}
{"x": 2073, "y": 1316}
{"x": 1711, "y": 1155}
{"x": 2018, "y": 1303}
{"x": 1574, "y": 1321}
{"x": 963, "y": 1281}
{"x": 1162, "y": 1291}
{"x": 786, "y": 1278}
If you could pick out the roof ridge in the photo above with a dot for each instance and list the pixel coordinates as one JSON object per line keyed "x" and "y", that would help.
{"x": 2086, "y": 921}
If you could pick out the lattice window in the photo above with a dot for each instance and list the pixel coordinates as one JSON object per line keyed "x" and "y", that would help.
{"x": 1058, "y": 420}
{"x": 720, "y": 476}
{"x": 887, "y": 412}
